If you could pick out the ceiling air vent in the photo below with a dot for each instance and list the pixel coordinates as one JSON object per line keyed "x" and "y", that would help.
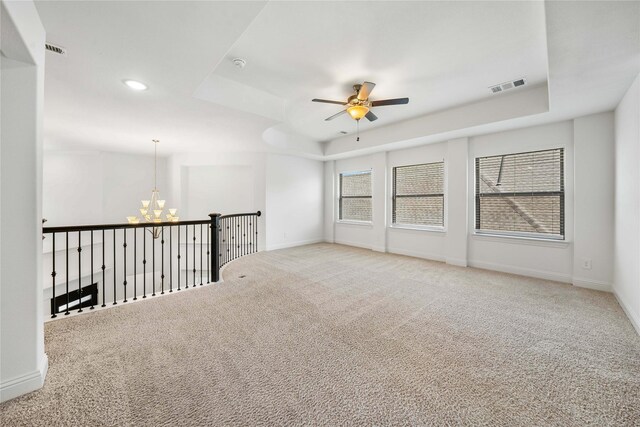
{"x": 55, "y": 49}
{"x": 507, "y": 85}
{"x": 343, "y": 132}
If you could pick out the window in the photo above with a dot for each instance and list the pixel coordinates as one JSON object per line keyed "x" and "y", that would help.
{"x": 355, "y": 196}
{"x": 418, "y": 195}
{"x": 521, "y": 194}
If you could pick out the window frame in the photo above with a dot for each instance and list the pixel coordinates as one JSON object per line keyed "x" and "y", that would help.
{"x": 340, "y": 220}
{"x": 530, "y": 236}
{"x": 440, "y": 228}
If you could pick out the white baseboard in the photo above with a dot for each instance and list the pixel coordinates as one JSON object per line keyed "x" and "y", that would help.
{"x": 592, "y": 284}
{"x": 25, "y": 383}
{"x": 294, "y": 244}
{"x": 539, "y": 274}
{"x": 633, "y": 318}
{"x": 354, "y": 244}
{"x": 379, "y": 249}
{"x": 460, "y": 262}
{"x": 416, "y": 254}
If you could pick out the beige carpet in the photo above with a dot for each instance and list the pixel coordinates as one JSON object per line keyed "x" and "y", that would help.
{"x": 331, "y": 335}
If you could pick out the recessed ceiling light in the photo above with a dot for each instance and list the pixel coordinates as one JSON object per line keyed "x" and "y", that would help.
{"x": 135, "y": 85}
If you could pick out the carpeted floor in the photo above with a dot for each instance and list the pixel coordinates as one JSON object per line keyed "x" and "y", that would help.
{"x": 332, "y": 335}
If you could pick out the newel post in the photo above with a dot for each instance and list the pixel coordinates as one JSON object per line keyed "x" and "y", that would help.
{"x": 215, "y": 247}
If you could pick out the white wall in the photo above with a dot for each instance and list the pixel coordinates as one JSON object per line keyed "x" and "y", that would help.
{"x": 594, "y": 173}
{"x": 223, "y": 188}
{"x": 96, "y": 187}
{"x": 627, "y": 203}
{"x": 294, "y": 201}
{"x": 353, "y": 234}
{"x": 544, "y": 259}
{"x": 329, "y": 201}
{"x": 424, "y": 244}
{"x": 220, "y": 166}
{"x": 457, "y": 244}
{"x": 23, "y": 364}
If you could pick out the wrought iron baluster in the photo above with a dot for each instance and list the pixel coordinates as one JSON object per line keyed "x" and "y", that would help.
{"x": 54, "y": 306}
{"x": 228, "y": 245}
{"x": 80, "y": 271}
{"x": 186, "y": 257}
{"x": 251, "y": 221}
{"x": 255, "y": 235}
{"x": 92, "y": 282}
{"x": 124, "y": 274}
{"x": 104, "y": 280}
{"x": 67, "y": 273}
{"x": 115, "y": 299}
{"x": 170, "y": 259}
{"x": 162, "y": 261}
{"x": 208, "y": 254}
{"x": 194, "y": 255}
{"x": 178, "y": 257}
{"x": 144, "y": 262}
{"x": 153, "y": 262}
{"x": 201, "y": 269}
{"x": 135, "y": 264}
{"x": 233, "y": 239}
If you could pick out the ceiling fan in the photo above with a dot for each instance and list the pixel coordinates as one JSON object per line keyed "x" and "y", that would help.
{"x": 359, "y": 106}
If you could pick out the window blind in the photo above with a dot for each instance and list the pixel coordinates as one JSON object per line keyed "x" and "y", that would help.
{"x": 355, "y": 196}
{"x": 418, "y": 194}
{"x": 521, "y": 193}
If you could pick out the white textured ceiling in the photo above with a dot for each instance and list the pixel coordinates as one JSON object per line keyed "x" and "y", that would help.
{"x": 443, "y": 55}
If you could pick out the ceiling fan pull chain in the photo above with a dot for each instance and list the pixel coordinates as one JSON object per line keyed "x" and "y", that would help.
{"x": 357, "y": 130}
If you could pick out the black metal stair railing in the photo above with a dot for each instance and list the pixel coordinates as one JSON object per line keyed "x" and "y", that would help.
{"x": 102, "y": 254}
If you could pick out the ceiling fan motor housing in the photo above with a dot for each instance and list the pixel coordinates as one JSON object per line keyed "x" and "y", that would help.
{"x": 353, "y": 100}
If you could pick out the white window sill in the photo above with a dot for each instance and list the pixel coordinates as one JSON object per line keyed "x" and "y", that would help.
{"x": 360, "y": 223}
{"x": 520, "y": 240}
{"x": 418, "y": 228}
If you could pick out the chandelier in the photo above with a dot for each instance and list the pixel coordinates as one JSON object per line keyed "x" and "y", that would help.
{"x": 152, "y": 210}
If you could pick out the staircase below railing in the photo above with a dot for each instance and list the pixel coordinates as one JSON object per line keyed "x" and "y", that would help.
{"x": 95, "y": 265}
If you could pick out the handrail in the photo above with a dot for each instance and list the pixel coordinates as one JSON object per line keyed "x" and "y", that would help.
{"x": 98, "y": 227}
{"x": 241, "y": 214}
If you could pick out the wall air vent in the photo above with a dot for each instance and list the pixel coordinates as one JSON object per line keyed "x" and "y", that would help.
{"x": 507, "y": 85}
{"x": 59, "y": 50}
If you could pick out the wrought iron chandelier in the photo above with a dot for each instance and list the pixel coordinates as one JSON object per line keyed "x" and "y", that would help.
{"x": 152, "y": 210}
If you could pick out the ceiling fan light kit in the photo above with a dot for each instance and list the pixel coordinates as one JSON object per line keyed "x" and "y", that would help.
{"x": 357, "y": 111}
{"x": 359, "y": 106}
